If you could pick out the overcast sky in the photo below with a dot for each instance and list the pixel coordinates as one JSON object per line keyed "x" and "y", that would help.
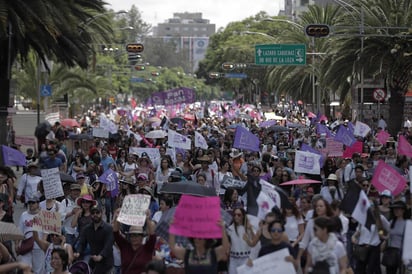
{"x": 219, "y": 12}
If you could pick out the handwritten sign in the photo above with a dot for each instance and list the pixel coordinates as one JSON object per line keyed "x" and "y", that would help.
{"x": 333, "y": 148}
{"x": 133, "y": 211}
{"x": 356, "y": 147}
{"x": 385, "y": 177}
{"x": 232, "y": 182}
{"x": 153, "y": 153}
{"x": 361, "y": 129}
{"x": 271, "y": 263}
{"x": 48, "y": 222}
{"x": 307, "y": 162}
{"x": 24, "y": 141}
{"x": 197, "y": 217}
{"x": 100, "y": 132}
{"x": 52, "y": 184}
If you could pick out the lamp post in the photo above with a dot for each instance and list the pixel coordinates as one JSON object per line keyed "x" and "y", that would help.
{"x": 85, "y": 24}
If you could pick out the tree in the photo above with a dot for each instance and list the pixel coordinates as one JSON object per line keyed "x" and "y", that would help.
{"x": 54, "y": 29}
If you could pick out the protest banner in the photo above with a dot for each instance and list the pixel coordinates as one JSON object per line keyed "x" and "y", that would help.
{"x": 173, "y": 96}
{"x": 100, "y": 132}
{"x": 48, "y": 222}
{"x": 232, "y": 182}
{"x": 271, "y": 192}
{"x": 13, "y": 157}
{"x": 307, "y": 162}
{"x": 178, "y": 140}
{"x": 200, "y": 141}
{"x": 51, "y": 183}
{"x": 271, "y": 263}
{"x": 345, "y": 136}
{"x": 333, "y": 148}
{"x": 244, "y": 139}
{"x": 382, "y": 137}
{"x": 356, "y": 147}
{"x": 404, "y": 147}
{"x": 265, "y": 205}
{"x": 197, "y": 217}
{"x": 133, "y": 211}
{"x": 153, "y": 153}
{"x": 361, "y": 129}
{"x": 308, "y": 148}
{"x": 385, "y": 177}
{"x": 24, "y": 141}
{"x": 407, "y": 244}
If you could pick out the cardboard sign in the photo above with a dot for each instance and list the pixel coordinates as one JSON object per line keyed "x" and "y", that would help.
{"x": 197, "y": 217}
{"x": 100, "y": 132}
{"x": 356, "y": 147}
{"x": 271, "y": 263}
{"x": 232, "y": 182}
{"x": 24, "y": 141}
{"x": 51, "y": 183}
{"x": 48, "y": 222}
{"x": 133, "y": 211}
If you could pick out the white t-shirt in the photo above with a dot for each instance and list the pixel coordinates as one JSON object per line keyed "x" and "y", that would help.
{"x": 292, "y": 227}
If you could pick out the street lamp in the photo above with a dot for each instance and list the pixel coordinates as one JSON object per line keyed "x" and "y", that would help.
{"x": 86, "y": 23}
{"x": 258, "y": 33}
{"x": 283, "y": 21}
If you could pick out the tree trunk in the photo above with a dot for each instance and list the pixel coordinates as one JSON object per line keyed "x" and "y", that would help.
{"x": 396, "y": 110}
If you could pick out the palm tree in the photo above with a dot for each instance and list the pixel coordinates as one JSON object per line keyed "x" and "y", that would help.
{"x": 386, "y": 50}
{"x": 51, "y": 29}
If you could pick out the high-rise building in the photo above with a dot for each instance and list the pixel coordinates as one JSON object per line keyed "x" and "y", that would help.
{"x": 293, "y": 8}
{"x": 190, "y": 32}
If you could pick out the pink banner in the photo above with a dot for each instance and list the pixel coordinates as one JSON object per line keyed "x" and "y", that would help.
{"x": 385, "y": 177}
{"x": 404, "y": 148}
{"x": 333, "y": 148}
{"x": 356, "y": 147}
{"x": 382, "y": 137}
{"x": 25, "y": 141}
{"x": 197, "y": 217}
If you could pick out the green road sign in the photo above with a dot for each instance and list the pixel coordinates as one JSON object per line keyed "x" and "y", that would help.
{"x": 287, "y": 54}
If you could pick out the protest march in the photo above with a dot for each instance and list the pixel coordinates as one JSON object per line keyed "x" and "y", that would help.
{"x": 212, "y": 187}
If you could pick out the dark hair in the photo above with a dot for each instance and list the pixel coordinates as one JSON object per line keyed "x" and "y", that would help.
{"x": 157, "y": 266}
{"x": 63, "y": 256}
{"x": 168, "y": 201}
{"x": 329, "y": 211}
{"x": 227, "y": 198}
{"x": 324, "y": 222}
{"x": 244, "y": 219}
{"x": 272, "y": 223}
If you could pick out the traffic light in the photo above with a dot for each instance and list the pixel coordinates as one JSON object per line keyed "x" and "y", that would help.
{"x": 155, "y": 73}
{"x": 228, "y": 66}
{"x": 317, "y": 30}
{"x": 139, "y": 67}
{"x": 134, "y": 47}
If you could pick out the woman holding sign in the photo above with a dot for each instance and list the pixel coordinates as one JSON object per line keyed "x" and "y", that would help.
{"x": 204, "y": 258}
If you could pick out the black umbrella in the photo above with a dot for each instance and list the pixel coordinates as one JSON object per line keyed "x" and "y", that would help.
{"x": 42, "y": 130}
{"x": 188, "y": 187}
{"x": 162, "y": 228}
{"x": 64, "y": 177}
{"x": 178, "y": 121}
{"x": 277, "y": 128}
{"x": 81, "y": 137}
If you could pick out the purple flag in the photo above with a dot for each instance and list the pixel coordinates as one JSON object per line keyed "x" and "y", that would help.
{"x": 13, "y": 157}
{"x": 244, "y": 139}
{"x": 308, "y": 148}
{"x": 345, "y": 136}
{"x": 174, "y": 96}
{"x": 320, "y": 128}
{"x": 109, "y": 177}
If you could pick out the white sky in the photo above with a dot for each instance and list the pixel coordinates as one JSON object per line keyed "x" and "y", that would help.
{"x": 219, "y": 12}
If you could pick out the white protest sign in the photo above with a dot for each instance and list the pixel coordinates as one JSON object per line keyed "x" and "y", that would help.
{"x": 153, "y": 153}
{"x": 175, "y": 139}
{"x": 307, "y": 162}
{"x": 265, "y": 204}
{"x": 51, "y": 183}
{"x": 407, "y": 244}
{"x": 200, "y": 141}
{"x": 100, "y": 132}
{"x": 271, "y": 263}
{"x": 232, "y": 182}
{"x": 270, "y": 191}
{"x": 133, "y": 211}
{"x": 48, "y": 222}
{"x": 361, "y": 129}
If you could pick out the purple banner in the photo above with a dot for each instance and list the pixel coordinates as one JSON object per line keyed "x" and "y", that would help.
{"x": 173, "y": 97}
{"x": 345, "y": 136}
{"x": 244, "y": 139}
{"x": 308, "y": 148}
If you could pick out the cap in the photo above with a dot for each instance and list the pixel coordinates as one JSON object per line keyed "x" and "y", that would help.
{"x": 386, "y": 193}
{"x": 96, "y": 208}
{"x": 136, "y": 230}
{"x": 80, "y": 176}
{"x": 146, "y": 188}
{"x": 398, "y": 204}
{"x": 75, "y": 187}
{"x": 86, "y": 197}
{"x": 332, "y": 177}
{"x": 142, "y": 177}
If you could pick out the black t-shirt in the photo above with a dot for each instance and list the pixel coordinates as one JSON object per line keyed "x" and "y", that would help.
{"x": 272, "y": 248}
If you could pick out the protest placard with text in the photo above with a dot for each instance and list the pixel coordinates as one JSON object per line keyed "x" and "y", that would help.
{"x": 197, "y": 217}
{"x": 100, "y": 132}
{"x": 48, "y": 222}
{"x": 133, "y": 211}
{"x": 307, "y": 162}
{"x": 51, "y": 183}
{"x": 24, "y": 141}
{"x": 271, "y": 263}
{"x": 385, "y": 177}
{"x": 333, "y": 148}
{"x": 232, "y": 182}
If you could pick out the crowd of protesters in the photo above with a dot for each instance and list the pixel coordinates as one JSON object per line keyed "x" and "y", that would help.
{"x": 317, "y": 233}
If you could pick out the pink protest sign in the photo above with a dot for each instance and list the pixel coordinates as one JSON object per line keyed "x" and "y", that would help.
{"x": 385, "y": 177}
{"x": 333, "y": 148}
{"x": 197, "y": 217}
{"x": 404, "y": 147}
{"x": 356, "y": 147}
{"x": 382, "y": 137}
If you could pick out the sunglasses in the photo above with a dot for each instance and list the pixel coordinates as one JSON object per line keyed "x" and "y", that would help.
{"x": 32, "y": 202}
{"x": 95, "y": 212}
{"x": 365, "y": 185}
{"x": 274, "y": 229}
